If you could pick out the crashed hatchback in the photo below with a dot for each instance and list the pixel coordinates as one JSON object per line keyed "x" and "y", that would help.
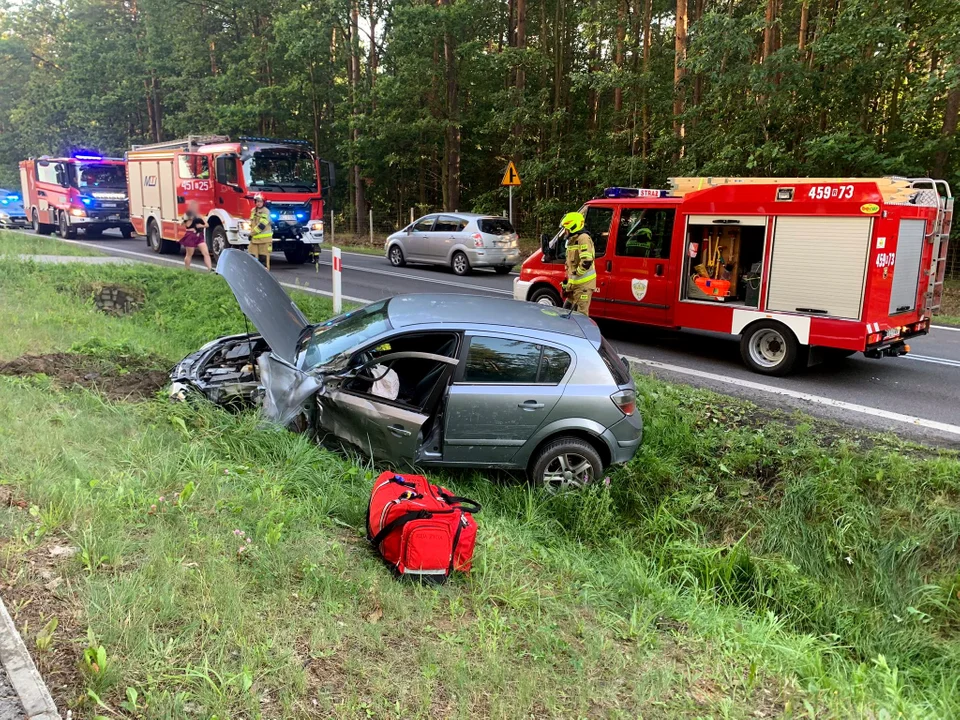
{"x": 428, "y": 380}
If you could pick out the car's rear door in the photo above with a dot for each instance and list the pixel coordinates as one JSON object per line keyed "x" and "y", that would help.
{"x": 503, "y": 391}
{"x": 440, "y": 240}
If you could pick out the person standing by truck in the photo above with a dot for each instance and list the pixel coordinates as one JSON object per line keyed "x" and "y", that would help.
{"x": 193, "y": 237}
{"x": 261, "y": 228}
{"x": 581, "y": 280}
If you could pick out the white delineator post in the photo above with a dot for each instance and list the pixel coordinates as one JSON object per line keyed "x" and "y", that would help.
{"x": 371, "y": 226}
{"x": 333, "y": 237}
{"x": 510, "y": 192}
{"x": 337, "y": 273}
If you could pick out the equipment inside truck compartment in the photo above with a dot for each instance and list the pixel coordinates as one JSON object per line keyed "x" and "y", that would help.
{"x": 723, "y": 262}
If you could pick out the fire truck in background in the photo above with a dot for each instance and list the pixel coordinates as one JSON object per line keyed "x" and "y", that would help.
{"x": 801, "y": 269}
{"x": 223, "y": 177}
{"x": 83, "y": 192}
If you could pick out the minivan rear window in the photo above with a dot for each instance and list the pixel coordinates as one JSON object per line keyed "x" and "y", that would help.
{"x": 495, "y": 226}
{"x": 613, "y": 363}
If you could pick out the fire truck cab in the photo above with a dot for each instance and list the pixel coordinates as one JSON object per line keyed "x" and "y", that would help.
{"x": 801, "y": 269}
{"x": 223, "y": 177}
{"x": 83, "y": 192}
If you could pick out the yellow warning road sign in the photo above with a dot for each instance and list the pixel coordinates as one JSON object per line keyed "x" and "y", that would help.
{"x": 511, "y": 178}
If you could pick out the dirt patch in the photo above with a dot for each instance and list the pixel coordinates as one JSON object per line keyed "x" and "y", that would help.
{"x": 119, "y": 378}
{"x": 950, "y": 303}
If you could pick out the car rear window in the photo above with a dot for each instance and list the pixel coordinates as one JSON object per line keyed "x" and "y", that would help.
{"x": 613, "y": 363}
{"x": 495, "y": 226}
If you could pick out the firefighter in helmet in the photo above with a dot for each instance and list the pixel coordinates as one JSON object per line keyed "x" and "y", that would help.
{"x": 581, "y": 274}
{"x": 261, "y": 230}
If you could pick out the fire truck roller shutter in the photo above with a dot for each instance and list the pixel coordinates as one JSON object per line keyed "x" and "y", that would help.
{"x": 135, "y": 181}
{"x": 906, "y": 269}
{"x": 819, "y": 265}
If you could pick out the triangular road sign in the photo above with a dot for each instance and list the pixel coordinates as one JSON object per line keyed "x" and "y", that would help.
{"x": 511, "y": 178}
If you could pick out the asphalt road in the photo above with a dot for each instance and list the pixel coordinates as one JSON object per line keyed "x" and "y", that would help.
{"x": 917, "y": 396}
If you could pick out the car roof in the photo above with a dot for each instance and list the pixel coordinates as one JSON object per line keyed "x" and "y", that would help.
{"x": 463, "y": 311}
{"x": 466, "y": 215}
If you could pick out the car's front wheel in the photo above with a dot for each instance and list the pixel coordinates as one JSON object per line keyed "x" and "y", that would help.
{"x": 395, "y": 256}
{"x": 502, "y": 269}
{"x": 567, "y": 463}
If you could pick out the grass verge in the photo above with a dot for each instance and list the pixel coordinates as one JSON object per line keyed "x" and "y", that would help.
{"x": 743, "y": 565}
{"x": 16, "y": 243}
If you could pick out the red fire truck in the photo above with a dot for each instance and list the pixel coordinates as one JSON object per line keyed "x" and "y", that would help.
{"x": 801, "y": 269}
{"x": 223, "y": 177}
{"x": 83, "y": 192}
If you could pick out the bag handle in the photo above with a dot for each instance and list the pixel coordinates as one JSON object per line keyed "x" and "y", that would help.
{"x": 466, "y": 504}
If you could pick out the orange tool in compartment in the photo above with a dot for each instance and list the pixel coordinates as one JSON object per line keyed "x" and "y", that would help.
{"x": 712, "y": 287}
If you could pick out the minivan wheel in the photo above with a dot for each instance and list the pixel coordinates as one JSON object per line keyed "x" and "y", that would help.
{"x": 460, "y": 264}
{"x": 567, "y": 463}
{"x": 502, "y": 269}
{"x": 545, "y": 296}
{"x": 395, "y": 256}
{"x": 769, "y": 347}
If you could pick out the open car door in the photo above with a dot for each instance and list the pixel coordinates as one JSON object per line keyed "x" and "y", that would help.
{"x": 360, "y": 407}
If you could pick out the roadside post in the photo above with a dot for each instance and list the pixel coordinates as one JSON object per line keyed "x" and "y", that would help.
{"x": 511, "y": 179}
{"x": 337, "y": 273}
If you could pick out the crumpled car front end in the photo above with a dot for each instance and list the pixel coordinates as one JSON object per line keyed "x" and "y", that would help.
{"x": 224, "y": 371}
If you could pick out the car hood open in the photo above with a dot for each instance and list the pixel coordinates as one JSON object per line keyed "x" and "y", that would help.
{"x": 264, "y": 302}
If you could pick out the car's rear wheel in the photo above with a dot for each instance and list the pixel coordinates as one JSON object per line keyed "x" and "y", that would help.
{"x": 564, "y": 464}
{"x": 64, "y": 228}
{"x": 460, "y": 264}
{"x": 546, "y": 296}
{"x": 395, "y": 256}
{"x": 40, "y": 228}
{"x": 502, "y": 269}
{"x": 769, "y": 347}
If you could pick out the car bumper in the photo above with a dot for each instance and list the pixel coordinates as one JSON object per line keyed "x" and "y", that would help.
{"x": 521, "y": 289}
{"x": 623, "y": 438}
{"x": 14, "y": 222}
{"x": 97, "y": 217}
{"x": 493, "y": 257}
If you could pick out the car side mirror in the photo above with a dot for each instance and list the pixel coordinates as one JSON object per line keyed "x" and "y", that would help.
{"x": 409, "y": 229}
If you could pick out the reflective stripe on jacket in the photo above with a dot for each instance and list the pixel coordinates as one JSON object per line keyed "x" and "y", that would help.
{"x": 580, "y": 266}
{"x": 260, "y": 216}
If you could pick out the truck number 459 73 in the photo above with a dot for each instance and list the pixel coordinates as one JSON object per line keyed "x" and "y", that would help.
{"x": 830, "y": 192}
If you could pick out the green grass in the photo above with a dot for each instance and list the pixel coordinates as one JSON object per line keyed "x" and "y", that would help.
{"x": 15, "y": 243}
{"x": 742, "y": 565}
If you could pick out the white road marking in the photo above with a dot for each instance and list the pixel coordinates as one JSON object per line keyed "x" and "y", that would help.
{"x": 938, "y": 361}
{"x": 436, "y": 281}
{"x": 945, "y": 327}
{"x": 816, "y": 399}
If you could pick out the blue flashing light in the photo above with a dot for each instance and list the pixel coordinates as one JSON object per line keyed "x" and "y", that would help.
{"x": 301, "y": 216}
{"x": 623, "y": 192}
{"x": 87, "y": 157}
{"x": 5, "y": 200}
{"x": 86, "y": 201}
{"x": 274, "y": 216}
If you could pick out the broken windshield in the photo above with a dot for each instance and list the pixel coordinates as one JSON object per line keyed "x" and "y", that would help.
{"x": 320, "y": 344}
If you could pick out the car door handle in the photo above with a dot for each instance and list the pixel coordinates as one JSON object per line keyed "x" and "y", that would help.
{"x": 41, "y": 193}
{"x": 659, "y": 270}
{"x": 398, "y": 430}
{"x": 530, "y": 405}
{"x": 609, "y": 265}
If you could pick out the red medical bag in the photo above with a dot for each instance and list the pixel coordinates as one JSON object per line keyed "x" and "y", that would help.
{"x": 420, "y": 529}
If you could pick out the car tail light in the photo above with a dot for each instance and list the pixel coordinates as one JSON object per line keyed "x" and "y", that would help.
{"x": 626, "y": 400}
{"x": 477, "y": 240}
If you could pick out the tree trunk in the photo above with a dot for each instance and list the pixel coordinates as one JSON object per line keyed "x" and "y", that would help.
{"x": 359, "y": 188}
{"x": 618, "y": 56}
{"x": 680, "y": 55}
{"x": 941, "y": 161}
{"x": 768, "y": 35}
{"x": 804, "y": 22}
{"x": 698, "y": 78}
{"x": 451, "y": 144}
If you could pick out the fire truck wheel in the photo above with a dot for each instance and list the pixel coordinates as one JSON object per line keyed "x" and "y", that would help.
{"x": 297, "y": 255}
{"x": 40, "y": 228}
{"x": 158, "y": 244}
{"x": 64, "y": 229}
{"x": 769, "y": 347}
{"x": 545, "y": 296}
{"x": 218, "y": 242}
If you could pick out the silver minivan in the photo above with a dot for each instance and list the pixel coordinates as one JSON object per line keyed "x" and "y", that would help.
{"x": 428, "y": 380}
{"x": 462, "y": 241}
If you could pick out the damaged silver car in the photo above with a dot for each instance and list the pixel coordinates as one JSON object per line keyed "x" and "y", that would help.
{"x": 428, "y": 380}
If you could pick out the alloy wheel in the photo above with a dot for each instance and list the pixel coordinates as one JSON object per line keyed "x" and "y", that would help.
{"x": 568, "y": 471}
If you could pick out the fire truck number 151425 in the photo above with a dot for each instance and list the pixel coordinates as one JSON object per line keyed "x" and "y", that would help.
{"x": 828, "y": 192}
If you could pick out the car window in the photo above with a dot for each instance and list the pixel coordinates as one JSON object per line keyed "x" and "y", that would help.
{"x": 227, "y": 170}
{"x": 495, "y": 226}
{"x": 425, "y": 224}
{"x": 597, "y": 223}
{"x": 553, "y": 365}
{"x": 501, "y": 361}
{"x": 448, "y": 224}
{"x": 610, "y": 358}
{"x": 193, "y": 166}
{"x": 645, "y": 232}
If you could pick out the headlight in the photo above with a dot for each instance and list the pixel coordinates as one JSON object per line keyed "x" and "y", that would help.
{"x": 4, "y": 216}
{"x": 245, "y": 225}
{"x": 77, "y": 212}
{"x": 316, "y": 226}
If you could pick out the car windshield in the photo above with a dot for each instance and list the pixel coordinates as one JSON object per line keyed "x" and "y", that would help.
{"x": 322, "y": 343}
{"x": 101, "y": 176}
{"x": 495, "y": 226}
{"x": 284, "y": 170}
